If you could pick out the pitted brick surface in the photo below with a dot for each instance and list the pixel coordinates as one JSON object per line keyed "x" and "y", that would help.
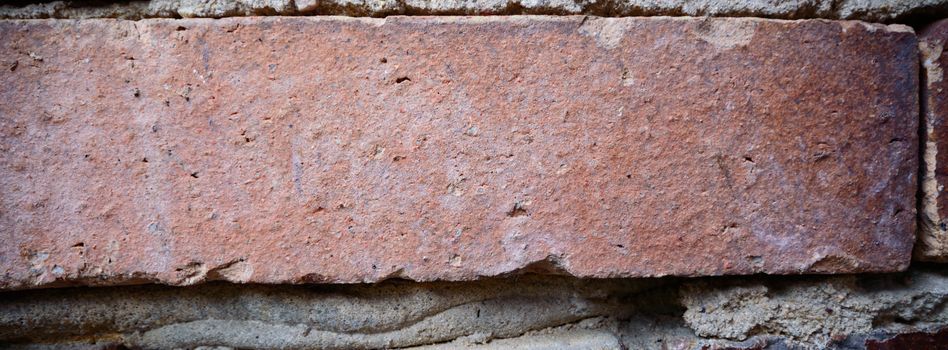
{"x": 343, "y": 150}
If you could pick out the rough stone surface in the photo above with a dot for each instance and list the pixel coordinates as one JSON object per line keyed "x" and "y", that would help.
{"x": 815, "y": 311}
{"x": 528, "y": 312}
{"x": 932, "y": 243}
{"x": 291, "y": 150}
{"x": 871, "y": 10}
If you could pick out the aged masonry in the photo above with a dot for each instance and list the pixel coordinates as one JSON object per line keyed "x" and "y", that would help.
{"x": 870, "y": 10}
{"x": 485, "y": 182}
{"x": 293, "y": 150}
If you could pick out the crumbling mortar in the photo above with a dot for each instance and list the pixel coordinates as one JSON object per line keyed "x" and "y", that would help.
{"x": 634, "y": 313}
{"x": 890, "y": 12}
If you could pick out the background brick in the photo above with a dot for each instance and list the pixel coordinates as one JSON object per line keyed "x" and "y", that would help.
{"x": 932, "y": 243}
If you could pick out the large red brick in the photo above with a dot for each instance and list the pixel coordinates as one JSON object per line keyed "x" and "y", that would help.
{"x": 347, "y": 150}
{"x": 933, "y": 216}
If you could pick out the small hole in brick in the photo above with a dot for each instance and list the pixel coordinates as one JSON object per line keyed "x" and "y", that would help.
{"x": 194, "y": 175}
{"x": 756, "y": 259}
{"x": 180, "y": 28}
{"x": 401, "y": 80}
{"x": 518, "y": 210}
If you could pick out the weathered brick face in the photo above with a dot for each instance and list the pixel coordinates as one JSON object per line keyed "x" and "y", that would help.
{"x": 343, "y": 150}
{"x": 933, "y": 232}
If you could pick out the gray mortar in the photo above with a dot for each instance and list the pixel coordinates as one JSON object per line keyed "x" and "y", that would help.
{"x": 870, "y": 10}
{"x": 814, "y": 311}
{"x": 525, "y": 312}
{"x": 395, "y": 314}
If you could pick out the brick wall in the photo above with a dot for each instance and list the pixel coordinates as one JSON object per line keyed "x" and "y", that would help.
{"x": 554, "y": 181}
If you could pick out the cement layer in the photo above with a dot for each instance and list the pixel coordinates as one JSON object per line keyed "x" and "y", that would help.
{"x": 529, "y": 312}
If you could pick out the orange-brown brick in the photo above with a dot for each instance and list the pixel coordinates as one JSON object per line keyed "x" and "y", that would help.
{"x": 344, "y": 150}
